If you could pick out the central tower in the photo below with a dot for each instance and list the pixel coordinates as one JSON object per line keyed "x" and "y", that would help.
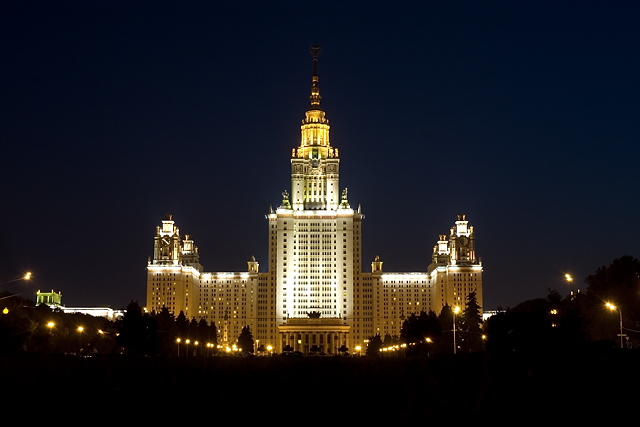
{"x": 314, "y": 241}
{"x": 314, "y": 164}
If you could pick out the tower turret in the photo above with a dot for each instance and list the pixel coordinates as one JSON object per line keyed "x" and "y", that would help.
{"x": 166, "y": 248}
{"x": 315, "y": 164}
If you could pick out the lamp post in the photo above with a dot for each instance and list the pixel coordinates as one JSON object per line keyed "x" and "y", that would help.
{"x": 27, "y": 276}
{"x": 187, "y": 342}
{"x": 569, "y": 279}
{"x": 178, "y": 341}
{"x": 455, "y": 311}
{"x": 80, "y": 330}
{"x": 613, "y": 307}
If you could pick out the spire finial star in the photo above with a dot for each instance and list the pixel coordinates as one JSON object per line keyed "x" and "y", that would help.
{"x": 315, "y": 50}
{"x": 315, "y": 90}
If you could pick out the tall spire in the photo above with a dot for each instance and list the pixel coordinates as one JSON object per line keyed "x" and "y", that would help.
{"x": 315, "y": 127}
{"x": 315, "y": 90}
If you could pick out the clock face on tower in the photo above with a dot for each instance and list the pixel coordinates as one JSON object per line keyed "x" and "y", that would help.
{"x": 463, "y": 241}
{"x": 166, "y": 240}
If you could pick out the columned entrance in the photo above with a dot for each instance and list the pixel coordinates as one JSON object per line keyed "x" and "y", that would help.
{"x": 319, "y": 335}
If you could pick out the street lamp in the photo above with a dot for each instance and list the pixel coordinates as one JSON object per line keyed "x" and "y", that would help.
{"x": 456, "y": 310}
{"x": 428, "y": 341}
{"x": 178, "y": 341}
{"x": 27, "y": 276}
{"x": 80, "y": 329}
{"x": 187, "y": 342}
{"x": 613, "y": 307}
{"x": 569, "y": 279}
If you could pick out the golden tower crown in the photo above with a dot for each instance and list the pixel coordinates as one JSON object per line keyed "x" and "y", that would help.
{"x": 314, "y": 142}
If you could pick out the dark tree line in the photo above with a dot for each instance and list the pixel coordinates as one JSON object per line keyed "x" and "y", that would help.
{"x": 158, "y": 333}
{"x": 578, "y": 320}
{"x": 557, "y": 323}
{"x": 25, "y": 327}
{"x": 429, "y": 333}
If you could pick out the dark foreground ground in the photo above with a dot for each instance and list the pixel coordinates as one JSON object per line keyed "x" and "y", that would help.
{"x": 498, "y": 389}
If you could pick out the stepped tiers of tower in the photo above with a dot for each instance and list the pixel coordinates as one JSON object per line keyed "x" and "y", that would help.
{"x": 313, "y": 292}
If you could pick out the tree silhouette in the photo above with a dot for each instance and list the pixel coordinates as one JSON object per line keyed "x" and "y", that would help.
{"x": 138, "y": 332}
{"x": 181, "y": 328}
{"x": 375, "y": 344}
{"x": 166, "y": 331}
{"x": 445, "y": 319}
{"x": 470, "y": 325}
{"x": 245, "y": 339}
{"x": 421, "y": 332}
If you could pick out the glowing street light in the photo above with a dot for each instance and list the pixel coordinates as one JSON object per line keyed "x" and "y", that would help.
{"x": 613, "y": 307}
{"x": 428, "y": 341}
{"x": 178, "y": 341}
{"x": 27, "y": 276}
{"x": 569, "y": 279}
{"x": 80, "y": 330}
{"x": 456, "y": 310}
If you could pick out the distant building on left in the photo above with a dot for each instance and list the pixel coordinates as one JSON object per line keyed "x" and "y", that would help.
{"x": 54, "y": 300}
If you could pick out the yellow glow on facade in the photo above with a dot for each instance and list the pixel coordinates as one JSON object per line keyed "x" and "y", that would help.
{"x": 314, "y": 290}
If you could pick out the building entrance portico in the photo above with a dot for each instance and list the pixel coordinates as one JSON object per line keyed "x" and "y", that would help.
{"x": 308, "y": 335}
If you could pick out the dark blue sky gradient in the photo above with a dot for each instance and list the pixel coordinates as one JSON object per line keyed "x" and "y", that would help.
{"x": 522, "y": 115}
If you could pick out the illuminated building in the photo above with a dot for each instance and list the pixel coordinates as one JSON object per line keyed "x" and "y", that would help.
{"x": 314, "y": 293}
{"x": 54, "y": 300}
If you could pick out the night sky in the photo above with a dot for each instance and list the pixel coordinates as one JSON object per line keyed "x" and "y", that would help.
{"x": 523, "y": 116}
